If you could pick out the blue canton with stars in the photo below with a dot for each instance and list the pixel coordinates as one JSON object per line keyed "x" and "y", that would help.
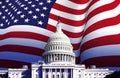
{"x": 25, "y": 12}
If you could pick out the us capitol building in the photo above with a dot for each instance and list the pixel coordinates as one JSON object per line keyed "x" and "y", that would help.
{"x": 59, "y": 62}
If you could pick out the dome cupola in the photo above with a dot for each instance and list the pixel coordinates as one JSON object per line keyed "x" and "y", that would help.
{"x": 59, "y": 48}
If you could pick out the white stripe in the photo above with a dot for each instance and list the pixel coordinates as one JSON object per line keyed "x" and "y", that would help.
{"x": 108, "y": 50}
{"x": 67, "y": 15}
{"x": 26, "y": 28}
{"x": 67, "y": 27}
{"x": 75, "y": 40}
{"x": 31, "y": 42}
{"x": 98, "y": 4}
{"x": 102, "y": 16}
{"x": 70, "y": 4}
{"x": 19, "y": 57}
{"x": 110, "y": 30}
{"x": 23, "y": 42}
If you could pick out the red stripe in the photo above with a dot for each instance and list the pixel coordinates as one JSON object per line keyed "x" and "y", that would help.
{"x": 68, "y": 10}
{"x": 13, "y": 64}
{"x": 27, "y": 49}
{"x": 106, "y": 40}
{"x": 22, "y": 49}
{"x": 91, "y": 3}
{"x": 28, "y": 35}
{"x": 104, "y": 23}
{"x": 77, "y": 60}
{"x": 76, "y": 46}
{"x": 106, "y": 61}
{"x": 80, "y": 1}
{"x": 68, "y": 21}
{"x": 69, "y": 34}
{"x": 103, "y": 8}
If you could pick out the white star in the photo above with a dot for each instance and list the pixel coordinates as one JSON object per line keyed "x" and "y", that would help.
{"x": 26, "y": 8}
{"x": 6, "y": 20}
{"x": 15, "y": 10}
{"x": 27, "y": 20}
{"x": 15, "y": 21}
{"x": 0, "y": 3}
{"x": 16, "y": 0}
{"x": 1, "y": 24}
{"x": 3, "y": 7}
{"x": 10, "y": 4}
{"x": 19, "y": 12}
{"x": 22, "y": 16}
{"x": 35, "y": 17}
{"x": 0, "y": 13}
{"x": 37, "y": 0}
{"x": 12, "y": 17}
{"x": 42, "y": 15}
{"x": 33, "y": 6}
{"x": 30, "y": 12}
{"x": 22, "y": 5}
{"x": 30, "y": 2}
{"x": 44, "y": 8}
{"x": 3, "y": 17}
{"x": 49, "y": 1}
{"x": 40, "y": 22}
{"x": 7, "y": 1}
{"x": 9, "y": 13}
{"x": 40, "y": 3}
{"x": 26, "y": 0}
{"x": 8, "y": 23}
{"x": 37, "y": 9}
{"x": 6, "y": 10}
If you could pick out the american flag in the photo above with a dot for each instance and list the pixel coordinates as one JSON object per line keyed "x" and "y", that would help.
{"x": 100, "y": 44}
{"x": 25, "y": 26}
{"x": 92, "y": 26}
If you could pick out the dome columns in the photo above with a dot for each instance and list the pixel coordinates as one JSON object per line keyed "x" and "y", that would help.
{"x": 59, "y": 49}
{"x": 59, "y": 58}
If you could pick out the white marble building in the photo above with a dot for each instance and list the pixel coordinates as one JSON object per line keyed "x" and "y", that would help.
{"x": 58, "y": 62}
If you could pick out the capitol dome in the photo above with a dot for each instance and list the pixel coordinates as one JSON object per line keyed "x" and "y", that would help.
{"x": 59, "y": 48}
{"x": 59, "y": 36}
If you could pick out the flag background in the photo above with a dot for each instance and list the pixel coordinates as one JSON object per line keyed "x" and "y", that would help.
{"x": 91, "y": 25}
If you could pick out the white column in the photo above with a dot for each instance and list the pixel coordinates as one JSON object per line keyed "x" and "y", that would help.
{"x": 44, "y": 73}
{"x": 50, "y": 58}
{"x": 49, "y": 74}
{"x": 71, "y": 73}
{"x": 69, "y": 57}
{"x": 65, "y": 73}
{"x": 60, "y": 74}
{"x": 55, "y": 73}
{"x": 54, "y": 57}
{"x": 62, "y": 57}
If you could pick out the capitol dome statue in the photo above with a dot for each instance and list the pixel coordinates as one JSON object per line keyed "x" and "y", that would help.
{"x": 59, "y": 48}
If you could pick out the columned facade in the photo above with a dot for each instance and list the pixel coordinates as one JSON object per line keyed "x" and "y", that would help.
{"x": 57, "y": 73}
